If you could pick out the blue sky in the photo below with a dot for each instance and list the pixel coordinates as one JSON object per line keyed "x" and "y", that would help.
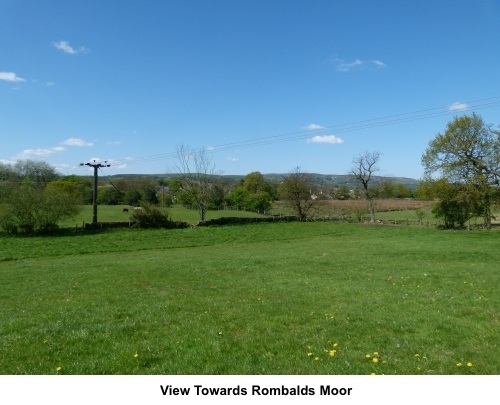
{"x": 264, "y": 85}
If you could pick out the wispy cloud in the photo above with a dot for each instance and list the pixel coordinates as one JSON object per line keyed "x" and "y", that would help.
{"x": 346, "y": 66}
{"x": 11, "y": 77}
{"x": 328, "y": 139}
{"x": 313, "y": 127}
{"x": 343, "y": 66}
{"x": 65, "y": 47}
{"x": 232, "y": 159}
{"x": 458, "y": 106}
{"x": 40, "y": 152}
{"x": 76, "y": 142}
{"x": 114, "y": 143}
{"x": 378, "y": 64}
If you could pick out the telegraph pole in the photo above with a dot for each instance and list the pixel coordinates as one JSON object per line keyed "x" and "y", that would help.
{"x": 94, "y": 193}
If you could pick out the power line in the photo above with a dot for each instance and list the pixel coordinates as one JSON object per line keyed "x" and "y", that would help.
{"x": 338, "y": 129}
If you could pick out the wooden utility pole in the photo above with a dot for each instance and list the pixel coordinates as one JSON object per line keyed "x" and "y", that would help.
{"x": 94, "y": 192}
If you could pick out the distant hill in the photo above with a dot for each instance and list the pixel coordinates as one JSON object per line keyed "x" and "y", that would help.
{"x": 335, "y": 180}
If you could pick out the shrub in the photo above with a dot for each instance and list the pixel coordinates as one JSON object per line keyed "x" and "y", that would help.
{"x": 149, "y": 216}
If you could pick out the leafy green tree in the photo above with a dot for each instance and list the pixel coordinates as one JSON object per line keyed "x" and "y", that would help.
{"x": 238, "y": 198}
{"x": 260, "y": 201}
{"x": 149, "y": 195}
{"x": 401, "y": 191}
{"x": 455, "y": 205}
{"x": 296, "y": 192}
{"x": 254, "y": 194}
{"x": 255, "y": 182}
{"x": 108, "y": 195}
{"x": 83, "y": 184}
{"x": 467, "y": 153}
{"x": 132, "y": 197}
{"x": 38, "y": 172}
{"x": 31, "y": 208}
{"x": 343, "y": 193}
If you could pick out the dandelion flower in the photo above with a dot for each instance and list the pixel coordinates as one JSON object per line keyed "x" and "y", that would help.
{"x": 58, "y": 368}
{"x": 375, "y": 353}
{"x": 316, "y": 358}
{"x": 469, "y": 364}
{"x": 375, "y": 360}
{"x": 417, "y": 355}
{"x": 332, "y": 353}
{"x": 136, "y": 355}
{"x": 368, "y": 356}
{"x": 459, "y": 364}
{"x": 309, "y": 354}
{"x": 335, "y": 344}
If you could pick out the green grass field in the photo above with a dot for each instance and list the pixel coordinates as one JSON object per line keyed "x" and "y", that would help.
{"x": 114, "y": 213}
{"x": 269, "y": 298}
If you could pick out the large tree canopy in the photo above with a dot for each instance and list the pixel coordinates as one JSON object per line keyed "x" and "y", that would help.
{"x": 467, "y": 153}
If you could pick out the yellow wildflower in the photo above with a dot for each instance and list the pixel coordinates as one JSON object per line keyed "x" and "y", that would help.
{"x": 375, "y": 360}
{"x": 136, "y": 355}
{"x": 58, "y": 368}
{"x": 459, "y": 364}
{"x": 469, "y": 364}
{"x": 368, "y": 356}
{"x": 309, "y": 354}
{"x": 331, "y": 353}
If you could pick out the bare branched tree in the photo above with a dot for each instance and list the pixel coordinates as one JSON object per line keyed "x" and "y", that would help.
{"x": 363, "y": 169}
{"x": 197, "y": 170}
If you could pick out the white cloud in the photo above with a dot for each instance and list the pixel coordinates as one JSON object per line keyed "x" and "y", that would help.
{"x": 347, "y": 66}
{"x": 343, "y": 66}
{"x": 378, "y": 64}
{"x": 313, "y": 127}
{"x": 11, "y": 77}
{"x": 458, "y": 106}
{"x": 114, "y": 143}
{"x": 77, "y": 142}
{"x": 27, "y": 153}
{"x": 65, "y": 47}
{"x": 232, "y": 159}
{"x": 328, "y": 139}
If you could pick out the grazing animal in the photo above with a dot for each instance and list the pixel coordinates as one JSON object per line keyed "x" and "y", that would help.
{"x": 125, "y": 210}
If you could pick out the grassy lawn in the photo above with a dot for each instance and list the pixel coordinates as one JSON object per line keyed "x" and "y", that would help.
{"x": 288, "y": 298}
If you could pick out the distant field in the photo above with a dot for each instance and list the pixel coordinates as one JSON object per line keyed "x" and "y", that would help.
{"x": 114, "y": 213}
{"x": 289, "y": 298}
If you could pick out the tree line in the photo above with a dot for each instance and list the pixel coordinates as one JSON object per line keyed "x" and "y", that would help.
{"x": 462, "y": 171}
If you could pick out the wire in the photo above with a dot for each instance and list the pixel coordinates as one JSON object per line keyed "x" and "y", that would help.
{"x": 338, "y": 129}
